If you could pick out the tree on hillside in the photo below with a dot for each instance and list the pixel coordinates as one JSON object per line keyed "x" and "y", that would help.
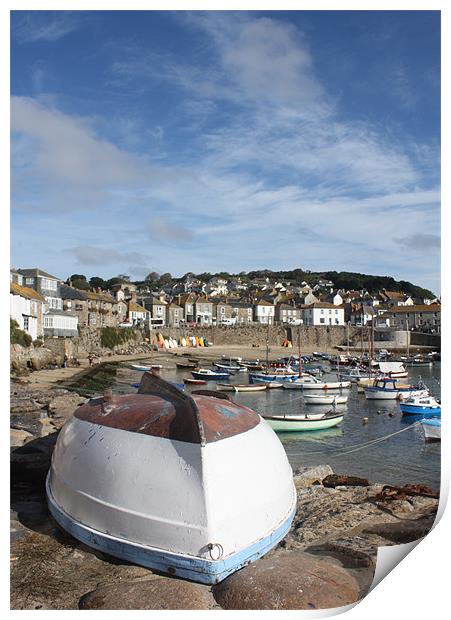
{"x": 96, "y": 282}
{"x": 78, "y": 280}
{"x": 165, "y": 279}
{"x": 153, "y": 276}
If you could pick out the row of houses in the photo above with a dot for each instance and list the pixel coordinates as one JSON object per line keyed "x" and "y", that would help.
{"x": 43, "y": 305}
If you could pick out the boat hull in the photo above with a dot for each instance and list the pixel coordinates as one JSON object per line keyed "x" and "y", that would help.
{"x": 432, "y": 432}
{"x": 180, "y": 565}
{"x": 325, "y": 400}
{"x": 183, "y": 514}
{"x": 210, "y": 377}
{"x": 231, "y": 387}
{"x": 308, "y": 424}
{"x": 432, "y": 412}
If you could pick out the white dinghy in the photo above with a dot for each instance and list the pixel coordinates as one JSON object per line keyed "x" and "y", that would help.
{"x": 193, "y": 486}
{"x": 329, "y": 399}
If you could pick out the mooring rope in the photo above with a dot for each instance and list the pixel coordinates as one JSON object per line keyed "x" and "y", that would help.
{"x": 357, "y": 447}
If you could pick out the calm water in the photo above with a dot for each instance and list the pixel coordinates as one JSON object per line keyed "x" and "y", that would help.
{"x": 404, "y": 458}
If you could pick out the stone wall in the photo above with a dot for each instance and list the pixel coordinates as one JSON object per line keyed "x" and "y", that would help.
{"x": 312, "y": 337}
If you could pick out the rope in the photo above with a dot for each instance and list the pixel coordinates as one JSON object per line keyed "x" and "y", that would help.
{"x": 357, "y": 447}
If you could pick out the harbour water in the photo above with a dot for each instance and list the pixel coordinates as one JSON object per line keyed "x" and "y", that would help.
{"x": 351, "y": 448}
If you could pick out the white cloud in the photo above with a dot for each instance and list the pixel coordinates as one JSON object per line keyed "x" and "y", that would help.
{"x": 32, "y": 26}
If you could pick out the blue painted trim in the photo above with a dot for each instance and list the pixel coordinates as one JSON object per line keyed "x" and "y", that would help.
{"x": 188, "y": 567}
{"x": 419, "y": 410}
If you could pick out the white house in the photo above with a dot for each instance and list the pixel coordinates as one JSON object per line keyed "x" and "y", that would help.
{"x": 322, "y": 313}
{"x": 26, "y": 308}
{"x": 137, "y": 315}
{"x": 264, "y": 312}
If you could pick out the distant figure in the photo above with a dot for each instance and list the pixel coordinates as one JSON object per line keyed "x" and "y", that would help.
{"x": 65, "y": 360}
{"x": 90, "y": 358}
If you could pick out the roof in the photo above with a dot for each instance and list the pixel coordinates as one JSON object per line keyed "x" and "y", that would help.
{"x": 36, "y": 272}
{"x": 393, "y": 294}
{"x": 100, "y": 297}
{"x": 69, "y": 292}
{"x": 323, "y": 304}
{"x": 175, "y": 306}
{"x": 263, "y": 302}
{"x": 25, "y": 291}
{"x": 134, "y": 307}
{"x": 283, "y": 306}
{"x": 418, "y": 308}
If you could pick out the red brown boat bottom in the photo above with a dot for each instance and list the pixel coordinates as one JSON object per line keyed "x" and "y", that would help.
{"x": 162, "y": 410}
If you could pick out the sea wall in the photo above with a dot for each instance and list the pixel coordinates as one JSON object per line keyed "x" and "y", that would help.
{"x": 312, "y": 337}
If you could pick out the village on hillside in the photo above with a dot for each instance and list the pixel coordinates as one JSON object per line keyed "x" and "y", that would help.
{"x": 43, "y": 305}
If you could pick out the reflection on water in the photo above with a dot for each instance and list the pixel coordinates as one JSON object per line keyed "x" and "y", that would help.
{"x": 401, "y": 459}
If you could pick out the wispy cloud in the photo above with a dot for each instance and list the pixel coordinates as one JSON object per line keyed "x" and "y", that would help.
{"x": 35, "y": 26}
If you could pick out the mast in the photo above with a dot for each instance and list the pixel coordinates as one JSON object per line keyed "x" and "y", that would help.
{"x": 267, "y": 348}
{"x": 408, "y": 339}
{"x": 299, "y": 343}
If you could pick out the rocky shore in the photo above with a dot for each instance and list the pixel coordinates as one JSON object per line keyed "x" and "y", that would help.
{"x": 327, "y": 559}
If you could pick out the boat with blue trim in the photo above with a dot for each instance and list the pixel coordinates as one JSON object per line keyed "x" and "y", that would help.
{"x": 387, "y": 388}
{"x": 194, "y": 486}
{"x": 432, "y": 428}
{"x": 425, "y": 406}
{"x": 210, "y": 375}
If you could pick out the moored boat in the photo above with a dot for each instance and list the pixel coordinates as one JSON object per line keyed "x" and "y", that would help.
{"x": 432, "y": 428}
{"x": 243, "y": 387}
{"x": 389, "y": 389}
{"x": 230, "y": 367}
{"x": 425, "y": 406}
{"x": 325, "y": 399}
{"x": 195, "y": 461}
{"x": 194, "y": 381}
{"x": 209, "y": 375}
{"x": 292, "y": 423}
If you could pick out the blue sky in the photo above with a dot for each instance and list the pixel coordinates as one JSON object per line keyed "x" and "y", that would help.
{"x": 206, "y": 141}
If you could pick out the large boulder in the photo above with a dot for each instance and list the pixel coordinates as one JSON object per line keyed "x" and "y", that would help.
{"x": 306, "y": 476}
{"x": 290, "y": 580}
{"x": 156, "y": 593}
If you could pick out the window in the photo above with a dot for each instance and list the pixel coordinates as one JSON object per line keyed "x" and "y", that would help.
{"x": 29, "y": 281}
{"x": 322, "y": 320}
{"x": 26, "y": 323}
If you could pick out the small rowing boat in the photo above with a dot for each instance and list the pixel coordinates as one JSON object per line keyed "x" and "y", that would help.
{"x": 292, "y": 423}
{"x": 143, "y": 368}
{"x": 432, "y": 428}
{"x": 209, "y": 375}
{"x": 243, "y": 387}
{"x": 212, "y": 489}
{"x": 326, "y": 399}
{"x": 194, "y": 381}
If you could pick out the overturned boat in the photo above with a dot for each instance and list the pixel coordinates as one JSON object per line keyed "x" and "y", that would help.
{"x": 193, "y": 486}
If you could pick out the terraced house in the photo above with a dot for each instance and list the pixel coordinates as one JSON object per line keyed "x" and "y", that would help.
{"x": 423, "y": 318}
{"x": 27, "y": 309}
{"x": 57, "y": 322}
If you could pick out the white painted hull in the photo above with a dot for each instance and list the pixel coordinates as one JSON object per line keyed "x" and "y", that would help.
{"x": 230, "y": 387}
{"x": 431, "y": 433}
{"x": 175, "y": 497}
{"x": 314, "y": 399}
{"x": 302, "y": 423}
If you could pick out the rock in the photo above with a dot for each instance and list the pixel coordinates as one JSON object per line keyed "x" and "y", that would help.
{"x": 35, "y": 363}
{"x": 335, "y": 480}
{"x": 402, "y": 532}
{"x": 157, "y": 593}
{"x": 290, "y": 580}
{"x": 306, "y": 476}
{"x": 18, "y": 437}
